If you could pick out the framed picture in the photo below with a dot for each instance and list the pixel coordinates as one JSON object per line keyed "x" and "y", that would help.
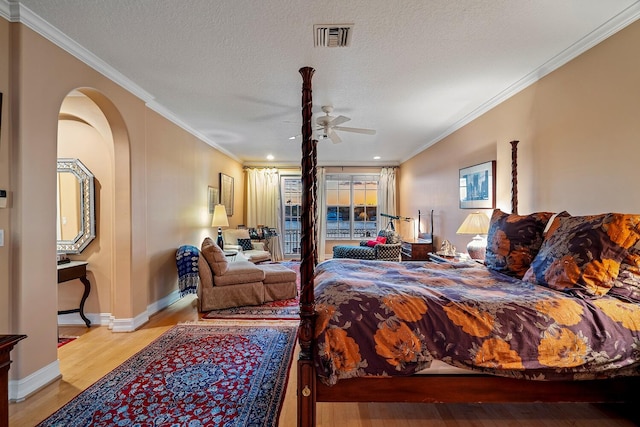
{"x": 213, "y": 198}
{"x": 478, "y": 186}
{"x": 226, "y": 193}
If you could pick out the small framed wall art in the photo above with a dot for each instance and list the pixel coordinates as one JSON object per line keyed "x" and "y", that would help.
{"x": 213, "y": 198}
{"x": 226, "y": 193}
{"x": 478, "y": 187}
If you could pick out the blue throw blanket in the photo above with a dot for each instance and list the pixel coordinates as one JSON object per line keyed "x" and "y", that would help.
{"x": 187, "y": 263}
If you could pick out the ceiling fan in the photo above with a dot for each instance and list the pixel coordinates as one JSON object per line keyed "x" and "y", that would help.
{"x": 328, "y": 125}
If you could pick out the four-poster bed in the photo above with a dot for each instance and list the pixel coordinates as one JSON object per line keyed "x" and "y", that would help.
{"x": 316, "y": 371}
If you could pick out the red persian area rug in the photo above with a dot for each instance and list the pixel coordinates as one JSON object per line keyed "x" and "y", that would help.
{"x": 199, "y": 374}
{"x": 281, "y": 310}
{"x": 65, "y": 340}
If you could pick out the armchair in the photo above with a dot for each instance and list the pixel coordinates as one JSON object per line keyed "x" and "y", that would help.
{"x": 248, "y": 249}
{"x": 226, "y": 284}
{"x": 388, "y": 251}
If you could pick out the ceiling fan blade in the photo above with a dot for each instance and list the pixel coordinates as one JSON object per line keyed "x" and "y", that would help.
{"x": 334, "y": 136}
{"x": 338, "y": 121}
{"x": 356, "y": 130}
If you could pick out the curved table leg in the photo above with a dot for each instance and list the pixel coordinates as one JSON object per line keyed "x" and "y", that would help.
{"x": 85, "y": 295}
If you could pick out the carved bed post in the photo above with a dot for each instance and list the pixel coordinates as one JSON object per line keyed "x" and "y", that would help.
{"x": 314, "y": 160}
{"x": 514, "y": 177}
{"x": 306, "y": 371}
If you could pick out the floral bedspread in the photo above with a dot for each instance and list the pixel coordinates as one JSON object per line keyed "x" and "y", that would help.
{"x": 391, "y": 319}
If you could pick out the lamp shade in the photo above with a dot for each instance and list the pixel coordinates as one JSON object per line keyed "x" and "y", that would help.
{"x": 220, "y": 217}
{"x": 475, "y": 223}
{"x": 220, "y": 220}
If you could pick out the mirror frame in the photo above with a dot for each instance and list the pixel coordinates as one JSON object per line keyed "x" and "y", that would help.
{"x": 88, "y": 221}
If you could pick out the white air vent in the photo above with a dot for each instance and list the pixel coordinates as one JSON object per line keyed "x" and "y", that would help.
{"x": 335, "y": 35}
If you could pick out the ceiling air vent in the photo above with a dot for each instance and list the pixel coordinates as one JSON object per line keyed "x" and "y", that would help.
{"x": 335, "y": 35}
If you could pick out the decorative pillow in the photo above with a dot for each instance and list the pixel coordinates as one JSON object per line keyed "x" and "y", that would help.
{"x": 627, "y": 285}
{"x": 584, "y": 252}
{"x": 231, "y": 235}
{"x": 390, "y": 235}
{"x": 215, "y": 257}
{"x": 245, "y": 244}
{"x": 372, "y": 243}
{"x": 381, "y": 239}
{"x": 514, "y": 240}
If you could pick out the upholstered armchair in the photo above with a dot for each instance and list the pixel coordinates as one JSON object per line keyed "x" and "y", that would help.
{"x": 373, "y": 249}
{"x": 239, "y": 240}
{"x": 226, "y": 284}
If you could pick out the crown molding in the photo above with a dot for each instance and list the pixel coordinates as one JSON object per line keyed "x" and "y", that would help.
{"x": 13, "y": 11}
{"x": 160, "y": 109}
{"x": 6, "y": 9}
{"x": 24, "y": 15}
{"x": 612, "y": 26}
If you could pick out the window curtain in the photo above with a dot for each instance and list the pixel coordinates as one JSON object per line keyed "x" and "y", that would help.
{"x": 321, "y": 213}
{"x": 263, "y": 205}
{"x": 386, "y": 195}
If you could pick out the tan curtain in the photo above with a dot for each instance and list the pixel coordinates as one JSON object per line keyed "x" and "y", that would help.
{"x": 321, "y": 213}
{"x": 386, "y": 195}
{"x": 263, "y": 205}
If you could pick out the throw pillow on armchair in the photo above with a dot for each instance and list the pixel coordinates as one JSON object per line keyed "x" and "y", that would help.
{"x": 245, "y": 244}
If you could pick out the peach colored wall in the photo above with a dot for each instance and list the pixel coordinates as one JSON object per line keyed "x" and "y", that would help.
{"x": 144, "y": 230}
{"x": 5, "y": 254}
{"x": 180, "y": 168}
{"x": 578, "y": 129}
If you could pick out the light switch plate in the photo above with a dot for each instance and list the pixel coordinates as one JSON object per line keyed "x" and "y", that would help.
{"x": 1, "y": 237}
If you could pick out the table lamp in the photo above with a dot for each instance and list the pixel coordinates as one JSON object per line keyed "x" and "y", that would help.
{"x": 476, "y": 223}
{"x": 220, "y": 220}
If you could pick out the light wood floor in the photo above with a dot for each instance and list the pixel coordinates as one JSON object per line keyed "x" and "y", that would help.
{"x": 97, "y": 351}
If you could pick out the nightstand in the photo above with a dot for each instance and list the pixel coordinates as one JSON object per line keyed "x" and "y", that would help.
{"x": 452, "y": 259}
{"x": 416, "y": 250}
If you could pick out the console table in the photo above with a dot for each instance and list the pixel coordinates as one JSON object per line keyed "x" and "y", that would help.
{"x": 76, "y": 270}
{"x": 416, "y": 250}
{"x": 6, "y": 345}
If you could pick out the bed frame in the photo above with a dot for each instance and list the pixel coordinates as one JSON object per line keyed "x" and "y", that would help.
{"x": 418, "y": 388}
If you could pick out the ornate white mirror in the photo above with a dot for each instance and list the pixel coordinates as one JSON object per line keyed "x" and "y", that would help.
{"x": 76, "y": 224}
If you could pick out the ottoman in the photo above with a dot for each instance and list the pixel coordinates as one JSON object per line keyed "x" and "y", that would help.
{"x": 279, "y": 282}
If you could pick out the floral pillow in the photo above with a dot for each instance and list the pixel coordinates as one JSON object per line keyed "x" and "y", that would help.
{"x": 627, "y": 285}
{"x": 245, "y": 244}
{"x": 513, "y": 241}
{"x": 584, "y": 253}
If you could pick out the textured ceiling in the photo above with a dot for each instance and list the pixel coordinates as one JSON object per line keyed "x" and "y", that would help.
{"x": 415, "y": 71}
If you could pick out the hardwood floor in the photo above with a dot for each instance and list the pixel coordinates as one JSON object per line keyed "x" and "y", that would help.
{"x": 98, "y": 351}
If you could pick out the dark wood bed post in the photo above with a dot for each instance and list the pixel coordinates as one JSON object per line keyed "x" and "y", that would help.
{"x": 314, "y": 162}
{"x": 306, "y": 371}
{"x": 514, "y": 177}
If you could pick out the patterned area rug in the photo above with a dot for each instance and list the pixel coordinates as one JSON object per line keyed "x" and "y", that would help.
{"x": 199, "y": 374}
{"x": 65, "y": 340}
{"x": 284, "y": 310}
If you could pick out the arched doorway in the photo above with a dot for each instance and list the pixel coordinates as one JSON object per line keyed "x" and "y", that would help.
{"x": 90, "y": 128}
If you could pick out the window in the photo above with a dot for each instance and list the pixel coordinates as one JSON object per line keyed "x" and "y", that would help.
{"x": 292, "y": 200}
{"x": 352, "y": 206}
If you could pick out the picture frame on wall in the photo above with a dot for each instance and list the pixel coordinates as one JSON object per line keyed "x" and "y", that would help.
{"x": 478, "y": 186}
{"x": 213, "y": 198}
{"x": 226, "y": 192}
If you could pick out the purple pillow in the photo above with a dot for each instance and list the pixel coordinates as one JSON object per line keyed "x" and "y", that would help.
{"x": 584, "y": 253}
{"x": 513, "y": 241}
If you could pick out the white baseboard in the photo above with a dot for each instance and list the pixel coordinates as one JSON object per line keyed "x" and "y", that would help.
{"x": 20, "y": 389}
{"x": 120, "y": 325}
